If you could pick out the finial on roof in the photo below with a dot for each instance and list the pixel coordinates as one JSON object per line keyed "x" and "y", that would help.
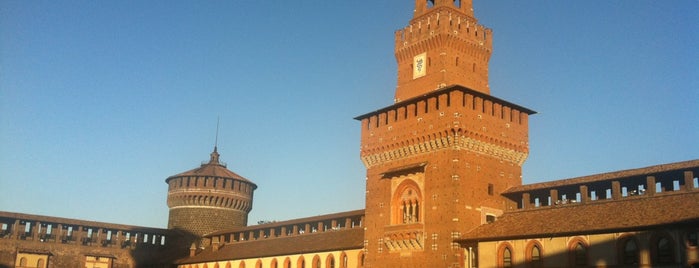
{"x": 214, "y": 156}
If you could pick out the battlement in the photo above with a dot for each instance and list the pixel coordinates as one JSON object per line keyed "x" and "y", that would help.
{"x": 442, "y": 47}
{"x": 668, "y": 179}
{"x": 443, "y": 21}
{"x": 45, "y": 229}
{"x": 454, "y": 117}
{"x": 303, "y": 226}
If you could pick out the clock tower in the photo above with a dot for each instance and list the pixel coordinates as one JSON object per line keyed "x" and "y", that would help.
{"x": 438, "y": 158}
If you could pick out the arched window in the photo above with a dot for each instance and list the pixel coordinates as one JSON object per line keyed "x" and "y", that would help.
{"x": 534, "y": 255}
{"x": 330, "y": 261}
{"x": 23, "y": 262}
{"x": 241, "y": 265}
{"x": 406, "y": 203}
{"x": 628, "y": 251}
{"x": 316, "y": 262}
{"x": 662, "y": 249}
{"x": 343, "y": 257}
{"x": 258, "y": 264}
{"x": 40, "y": 263}
{"x": 507, "y": 258}
{"x": 301, "y": 263}
{"x": 579, "y": 254}
{"x": 505, "y": 255}
{"x": 287, "y": 263}
{"x": 273, "y": 264}
{"x": 361, "y": 258}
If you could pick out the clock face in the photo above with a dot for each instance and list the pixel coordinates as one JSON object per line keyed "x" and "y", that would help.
{"x": 419, "y": 65}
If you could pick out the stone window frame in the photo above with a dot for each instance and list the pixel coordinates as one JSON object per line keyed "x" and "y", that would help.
{"x": 573, "y": 257}
{"x": 397, "y": 203}
{"x": 502, "y": 261}
{"x": 669, "y": 256}
{"x": 529, "y": 254}
{"x": 625, "y": 256}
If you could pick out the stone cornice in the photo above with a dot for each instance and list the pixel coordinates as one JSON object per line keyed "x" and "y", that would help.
{"x": 451, "y": 142}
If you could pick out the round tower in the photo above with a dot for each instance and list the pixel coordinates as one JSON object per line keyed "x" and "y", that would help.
{"x": 208, "y": 198}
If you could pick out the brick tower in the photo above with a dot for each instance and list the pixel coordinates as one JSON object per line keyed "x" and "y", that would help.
{"x": 439, "y": 157}
{"x": 208, "y": 198}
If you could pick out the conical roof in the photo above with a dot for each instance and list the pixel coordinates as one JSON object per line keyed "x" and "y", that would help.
{"x": 214, "y": 168}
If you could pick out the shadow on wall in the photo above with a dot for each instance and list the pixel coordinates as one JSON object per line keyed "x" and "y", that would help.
{"x": 147, "y": 256}
{"x": 672, "y": 246}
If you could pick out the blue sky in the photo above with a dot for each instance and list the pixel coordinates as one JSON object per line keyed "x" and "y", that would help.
{"x": 101, "y": 101}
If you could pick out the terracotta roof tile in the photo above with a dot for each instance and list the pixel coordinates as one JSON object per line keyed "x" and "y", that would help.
{"x": 214, "y": 168}
{"x": 630, "y": 213}
{"x": 343, "y": 239}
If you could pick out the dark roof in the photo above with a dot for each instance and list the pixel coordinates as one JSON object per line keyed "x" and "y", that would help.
{"x": 679, "y": 166}
{"x": 213, "y": 168}
{"x": 442, "y": 91}
{"x": 602, "y": 216}
{"x": 34, "y": 251}
{"x": 343, "y": 239}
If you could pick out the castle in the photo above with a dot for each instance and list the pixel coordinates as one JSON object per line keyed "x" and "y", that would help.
{"x": 443, "y": 189}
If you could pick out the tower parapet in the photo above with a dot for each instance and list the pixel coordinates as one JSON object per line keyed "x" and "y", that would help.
{"x": 209, "y": 198}
{"x": 443, "y": 45}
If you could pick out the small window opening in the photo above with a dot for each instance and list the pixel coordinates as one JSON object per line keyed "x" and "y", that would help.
{"x": 490, "y": 218}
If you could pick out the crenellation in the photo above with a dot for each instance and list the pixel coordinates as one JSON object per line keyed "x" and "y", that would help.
{"x": 646, "y": 183}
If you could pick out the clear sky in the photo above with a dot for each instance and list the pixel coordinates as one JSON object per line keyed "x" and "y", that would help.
{"x": 101, "y": 101}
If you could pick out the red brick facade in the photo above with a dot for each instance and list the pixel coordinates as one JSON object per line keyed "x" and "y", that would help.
{"x": 439, "y": 158}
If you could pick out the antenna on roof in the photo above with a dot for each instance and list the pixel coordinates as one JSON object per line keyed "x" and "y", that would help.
{"x": 218, "y": 119}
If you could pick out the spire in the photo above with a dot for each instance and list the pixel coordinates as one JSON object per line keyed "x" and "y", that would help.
{"x": 214, "y": 154}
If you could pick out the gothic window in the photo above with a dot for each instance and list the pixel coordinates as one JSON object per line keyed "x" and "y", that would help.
{"x": 578, "y": 254}
{"x": 316, "y": 262}
{"x": 362, "y": 258}
{"x": 301, "y": 263}
{"x": 534, "y": 258}
{"x": 628, "y": 251}
{"x": 692, "y": 238}
{"x": 330, "y": 261}
{"x": 407, "y": 206}
{"x": 662, "y": 249}
{"x": 505, "y": 256}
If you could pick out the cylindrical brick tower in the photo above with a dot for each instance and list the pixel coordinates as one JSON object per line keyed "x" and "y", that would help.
{"x": 208, "y": 198}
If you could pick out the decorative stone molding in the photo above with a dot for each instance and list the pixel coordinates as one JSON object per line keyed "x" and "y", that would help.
{"x": 453, "y": 142}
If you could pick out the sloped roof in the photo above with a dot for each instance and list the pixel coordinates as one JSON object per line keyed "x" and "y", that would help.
{"x": 214, "y": 168}
{"x": 602, "y": 216}
{"x": 343, "y": 239}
